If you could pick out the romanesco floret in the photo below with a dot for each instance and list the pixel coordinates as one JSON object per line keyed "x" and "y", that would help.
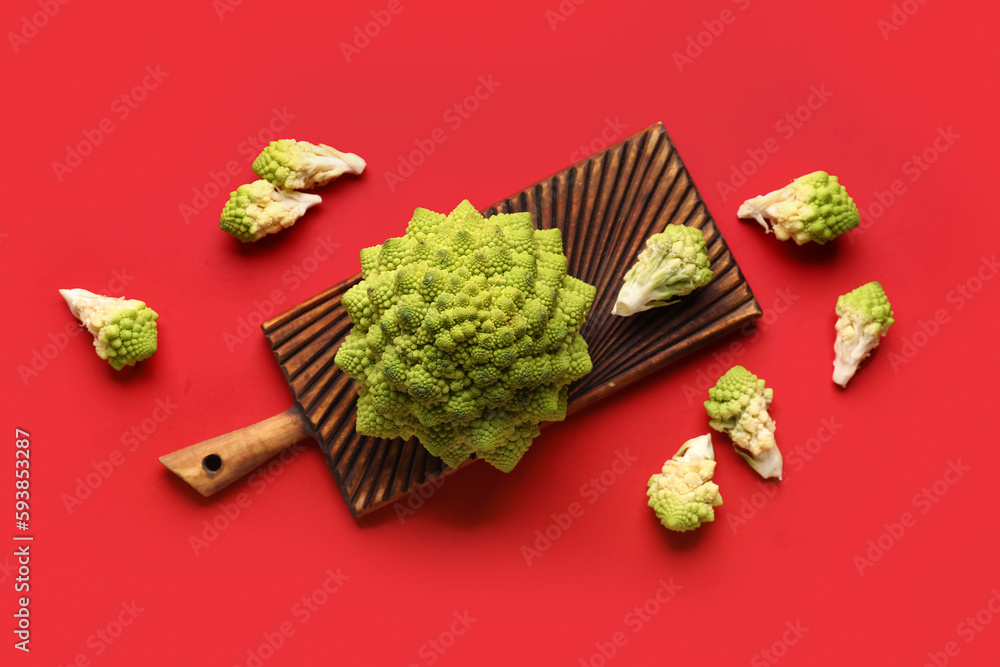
{"x": 683, "y": 494}
{"x": 124, "y": 330}
{"x": 466, "y": 334}
{"x": 738, "y": 405}
{"x": 300, "y": 165}
{"x": 864, "y": 316}
{"x": 673, "y": 263}
{"x": 814, "y": 207}
{"x": 257, "y": 209}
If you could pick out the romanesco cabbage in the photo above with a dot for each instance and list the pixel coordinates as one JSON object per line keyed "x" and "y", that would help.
{"x": 738, "y": 405}
{"x": 124, "y": 330}
{"x": 466, "y": 334}
{"x": 257, "y": 209}
{"x": 300, "y": 165}
{"x": 673, "y": 263}
{"x": 683, "y": 494}
{"x": 814, "y": 207}
{"x": 864, "y": 316}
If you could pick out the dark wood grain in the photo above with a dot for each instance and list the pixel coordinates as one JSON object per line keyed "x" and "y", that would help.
{"x": 606, "y": 206}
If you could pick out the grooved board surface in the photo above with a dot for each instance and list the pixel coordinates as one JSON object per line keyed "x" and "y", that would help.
{"x": 606, "y": 206}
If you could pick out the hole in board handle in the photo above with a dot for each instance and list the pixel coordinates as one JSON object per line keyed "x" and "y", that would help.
{"x": 212, "y": 464}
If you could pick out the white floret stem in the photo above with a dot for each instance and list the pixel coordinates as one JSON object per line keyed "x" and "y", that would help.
{"x": 354, "y": 162}
{"x": 696, "y": 449}
{"x": 94, "y": 311}
{"x": 842, "y": 373}
{"x": 757, "y": 207}
{"x": 297, "y": 202}
{"x": 643, "y": 290}
{"x": 768, "y": 463}
{"x": 331, "y": 163}
{"x": 633, "y": 298}
{"x": 79, "y": 299}
{"x": 849, "y": 353}
{"x": 84, "y": 305}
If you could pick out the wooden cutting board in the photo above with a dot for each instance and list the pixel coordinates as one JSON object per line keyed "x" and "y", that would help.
{"x": 606, "y": 206}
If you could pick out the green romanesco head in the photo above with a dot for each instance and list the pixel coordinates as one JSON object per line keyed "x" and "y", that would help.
{"x": 868, "y": 307}
{"x": 673, "y": 263}
{"x": 124, "y": 330}
{"x": 864, "y": 315}
{"x": 682, "y": 493}
{"x": 737, "y": 406}
{"x": 466, "y": 334}
{"x": 257, "y": 209}
{"x": 300, "y": 165}
{"x": 814, "y": 207}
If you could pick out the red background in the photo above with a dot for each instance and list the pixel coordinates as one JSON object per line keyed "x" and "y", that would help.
{"x": 770, "y": 562}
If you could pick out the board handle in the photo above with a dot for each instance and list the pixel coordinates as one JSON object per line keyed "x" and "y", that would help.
{"x": 214, "y": 464}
